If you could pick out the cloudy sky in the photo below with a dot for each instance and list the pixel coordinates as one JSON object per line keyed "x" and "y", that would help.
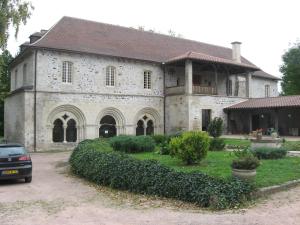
{"x": 265, "y": 28}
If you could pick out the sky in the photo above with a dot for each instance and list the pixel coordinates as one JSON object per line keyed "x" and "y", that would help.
{"x": 266, "y": 28}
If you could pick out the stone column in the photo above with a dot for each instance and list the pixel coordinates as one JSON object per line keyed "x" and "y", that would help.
{"x": 249, "y": 85}
{"x": 188, "y": 77}
{"x": 250, "y": 122}
{"x": 276, "y": 120}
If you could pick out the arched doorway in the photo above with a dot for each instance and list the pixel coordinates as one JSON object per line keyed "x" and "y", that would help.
{"x": 107, "y": 127}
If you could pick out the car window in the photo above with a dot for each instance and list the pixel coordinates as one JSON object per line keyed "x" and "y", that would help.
{"x": 11, "y": 151}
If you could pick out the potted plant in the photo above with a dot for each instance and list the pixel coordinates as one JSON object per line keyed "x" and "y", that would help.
{"x": 258, "y": 134}
{"x": 244, "y": 167}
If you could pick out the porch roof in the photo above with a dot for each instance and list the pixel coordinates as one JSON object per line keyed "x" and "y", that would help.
{"x": 271, "y": 102}
{"x": 209, "y": 58}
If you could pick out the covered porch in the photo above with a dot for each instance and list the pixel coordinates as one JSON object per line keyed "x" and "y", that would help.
{"x": 281, "y": 114}
{"x": 195, "y": 73}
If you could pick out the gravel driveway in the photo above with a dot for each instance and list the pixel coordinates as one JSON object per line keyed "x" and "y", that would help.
{"x": 55, "y": 197}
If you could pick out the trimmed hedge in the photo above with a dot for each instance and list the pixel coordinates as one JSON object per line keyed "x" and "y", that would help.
{"x": 269, "y": 153}
{"x": 120, "y": 171}
{"x": 132, "y": 144}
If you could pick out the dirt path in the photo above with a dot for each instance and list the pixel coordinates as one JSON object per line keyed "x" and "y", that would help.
{"x": 54, "y": 197}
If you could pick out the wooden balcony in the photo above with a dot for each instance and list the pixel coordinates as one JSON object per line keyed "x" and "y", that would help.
{"x": 196, "y": 90}
{"x": 204, "y": 90}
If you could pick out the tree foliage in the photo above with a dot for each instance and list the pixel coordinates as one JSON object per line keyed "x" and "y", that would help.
{"x": 12, "y": 13}
{"x": 215, "y": 127}
{"x": 5, "y": 59}
{"x": 291, "y": 71}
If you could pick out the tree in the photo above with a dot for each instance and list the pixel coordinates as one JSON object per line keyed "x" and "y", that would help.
{"x": 5, "y": 59}
{"x": 12, "y": 13}
{"x": 291, "y": 71}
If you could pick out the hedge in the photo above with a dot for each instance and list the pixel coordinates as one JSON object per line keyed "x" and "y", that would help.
{"x": 132, "y": 144}
{"x": 120, "y": 171}
{"x": 269, "y": 153}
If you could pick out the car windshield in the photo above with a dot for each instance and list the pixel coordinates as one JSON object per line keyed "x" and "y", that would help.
{"x": 11, "y": 151}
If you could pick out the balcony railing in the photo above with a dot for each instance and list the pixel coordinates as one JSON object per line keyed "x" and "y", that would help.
{"x": 196, "y": 90}
{"x": 204, "y": 90}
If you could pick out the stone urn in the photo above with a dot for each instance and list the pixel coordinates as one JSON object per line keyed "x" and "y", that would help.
{"x": 245, "y": 175}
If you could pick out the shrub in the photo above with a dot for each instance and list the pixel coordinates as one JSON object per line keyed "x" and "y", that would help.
{"x": 118, "y": 170}
{"x": 217, "y": 144}
{"x": 245, "y": 161}
{"x": 291, "y": 145}
{"x": 132, "y": 144}
{"x": 269, "y": 153}
{"x": 215, "y": 127}
{"x": 191, "y": 146}
{"x": 159, "y": 138}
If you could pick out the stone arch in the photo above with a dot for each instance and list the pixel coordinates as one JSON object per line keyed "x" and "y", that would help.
{"x": 149, "y": 116}
{"x": 68, "y": 114}
{"x": 117, "y": 115}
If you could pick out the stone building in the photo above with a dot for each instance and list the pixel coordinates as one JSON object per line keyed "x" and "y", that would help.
{"x": 82, "y": 79}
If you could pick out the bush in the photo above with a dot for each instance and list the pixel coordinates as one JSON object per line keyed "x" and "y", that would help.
{"x": 132, "y": 144}
{"x": 159, "y": 138}
{"x": 191, "y": 146}
{"x": 245, "y": 161}
{"x": 291, "y": 145}
{"x": 217, "y": 144}
{"x": 269, "y": 153}
{"x": 215, "y": 127}
{"x": 118, "y": 170}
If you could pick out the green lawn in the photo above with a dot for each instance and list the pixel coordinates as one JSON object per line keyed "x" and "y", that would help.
{"x": 217, "y": 164}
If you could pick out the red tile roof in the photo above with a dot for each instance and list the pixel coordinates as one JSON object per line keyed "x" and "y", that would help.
{"x": 273, "y": 102}
{"x": 98, "y": 38}
{"x": 263, "y": 74}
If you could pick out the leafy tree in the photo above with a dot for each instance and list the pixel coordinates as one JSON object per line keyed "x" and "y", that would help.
{"x": 291, "y": 71}
{"x": 5, "y": 59}
{"x": 215, "y": 127}
{"x": 12, "y": 13}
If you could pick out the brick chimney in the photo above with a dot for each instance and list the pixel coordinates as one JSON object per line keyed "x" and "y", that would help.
{"x": 236, "y": 51}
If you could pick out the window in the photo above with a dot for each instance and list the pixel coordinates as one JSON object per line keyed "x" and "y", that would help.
{"x": 58, "y": 131}
{"x": 110, "y": 76}
{"x": 67, "y": 72}
{"x": 24, "y": 74}
{"x": 16, "y": 79}
{"x": 229, "y": 88}
{"x": 145, "y": 126}
{"x": 267, "y": 90}
{"x": 147, "y": 79}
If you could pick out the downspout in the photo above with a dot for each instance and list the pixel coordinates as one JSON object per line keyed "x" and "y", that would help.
{"x": 164, "y": 83}
{"x": 34, "y": 102}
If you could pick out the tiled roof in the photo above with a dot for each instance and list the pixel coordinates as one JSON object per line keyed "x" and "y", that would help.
{"x": 274, "y": 102}
{"x": 263, "y": 74}
{"x": 209, "y": 58}
{"x": 104, "y": 39}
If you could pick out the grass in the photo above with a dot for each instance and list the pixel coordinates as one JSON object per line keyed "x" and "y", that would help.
{"x": 217, "y": 164}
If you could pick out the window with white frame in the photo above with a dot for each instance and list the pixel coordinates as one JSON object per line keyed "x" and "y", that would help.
{"x": 110, "y": 76}
{"x": 67, "y": 72}
{"x": 147, "y": 79}
{"x": 267, "y": 90}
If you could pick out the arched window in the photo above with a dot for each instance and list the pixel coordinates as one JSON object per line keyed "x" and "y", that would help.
{"x": 110, "y": 76}
{"x": 71, "y": 131}
{"x": 58, "y": 131}
{"x": 150, "y": 128}
{"x": 107, "y": 127}
{"x": 140, "y": 128}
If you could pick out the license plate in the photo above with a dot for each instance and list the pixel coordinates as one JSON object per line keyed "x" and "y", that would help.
{"x": 10, "y": 172}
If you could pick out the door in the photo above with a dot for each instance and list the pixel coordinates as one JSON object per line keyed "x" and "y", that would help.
{"x": 206, "y": 117}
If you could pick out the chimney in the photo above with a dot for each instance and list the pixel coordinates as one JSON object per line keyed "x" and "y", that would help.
{"x": 236, "y": 51}
{"x": 36, "y": 36}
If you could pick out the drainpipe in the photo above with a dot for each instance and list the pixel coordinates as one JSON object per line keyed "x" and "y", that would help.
{"x": 34, "y": 102}
{"x": 164, "y": 83}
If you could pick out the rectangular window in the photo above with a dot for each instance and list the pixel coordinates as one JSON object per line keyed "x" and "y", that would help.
{"x": 24, "y": 74}
{"x": 16, "y": 79}
{"x": 67, "y": 72}
{"x": 229, "y": 88}
{"x": 267, "y": 90}
{"x": 110, "y": 76}
{"x": 147, "y": 79}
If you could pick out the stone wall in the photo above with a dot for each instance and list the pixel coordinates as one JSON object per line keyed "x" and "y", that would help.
{"x": 258, "y": 87}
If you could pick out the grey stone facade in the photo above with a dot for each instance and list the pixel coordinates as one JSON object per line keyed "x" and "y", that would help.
{"x": 171, "y": 103}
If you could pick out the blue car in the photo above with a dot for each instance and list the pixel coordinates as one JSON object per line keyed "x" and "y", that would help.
{"x": 15, "y": 163}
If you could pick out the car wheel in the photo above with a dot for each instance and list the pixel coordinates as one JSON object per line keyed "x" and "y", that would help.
{"x": 28, "y": 179}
